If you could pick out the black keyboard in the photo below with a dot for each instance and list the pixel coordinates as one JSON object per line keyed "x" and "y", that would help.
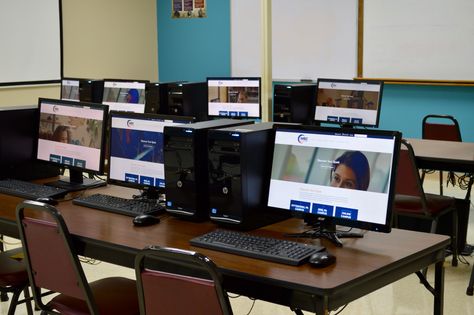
{"x": 129, "y": 207}
{"x": 29, "y": 190}
{"x": 265, "y": 248}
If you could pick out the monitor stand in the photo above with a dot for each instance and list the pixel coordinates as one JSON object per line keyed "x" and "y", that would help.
{"x": 76, "y": 181}
{"x": 326, "y": 229}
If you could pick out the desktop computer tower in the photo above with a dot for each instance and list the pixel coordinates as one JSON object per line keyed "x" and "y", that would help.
{"x": 91, "y": 90}
{"x": 155, "y": 97}
{"x": 186, "y": 167}
{"x": 239, "y": 169}
{"x": 294, "y": 103}
{"x": 18, "y": 140}
{"x": 188, "y": 99}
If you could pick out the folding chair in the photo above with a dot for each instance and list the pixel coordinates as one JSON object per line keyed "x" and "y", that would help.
{"x": 14, "y": 279}
{"x": 440, "y": 127}
{"x": 412, "y": 201}
{"x": 53, "y": 265}
{"x": 173, "y": 281}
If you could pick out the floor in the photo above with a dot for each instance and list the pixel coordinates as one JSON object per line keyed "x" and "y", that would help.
{"x": 407, "y": 296}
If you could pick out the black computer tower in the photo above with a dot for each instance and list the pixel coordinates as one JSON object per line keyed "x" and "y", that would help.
{"x": 186, "y": 167}
{"x": 188, "y": 99}
{"x": 91, "y": 91}
{"x": 18, "y": 142}
{"x": 239, "y": 166}
{"x": 156, "y": 100}
{"x": 294, "y": 103}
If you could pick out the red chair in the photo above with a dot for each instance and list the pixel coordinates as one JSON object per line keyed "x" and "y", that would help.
{"x": 53, "y": 265}
{"x": 14, "y": 279}
{"x": 412, "y": 201}
{"x": 440, "y": 127}
{"x": 173, "y": 281}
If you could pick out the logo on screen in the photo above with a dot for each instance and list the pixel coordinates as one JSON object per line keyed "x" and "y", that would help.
{"x": 302, "y": 139}
{"x": 55, "y": 108}
{"x": 130, "y": 123}
{"x": 333, "y": 85}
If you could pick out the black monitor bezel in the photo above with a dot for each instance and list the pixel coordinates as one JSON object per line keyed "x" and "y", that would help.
{"x": 133, "y": 115}
{"x": 371, "y": 226}
{"x": 259, "y": 79}
{"x": 379, "y": 107}
{"x": 105, "y": 110}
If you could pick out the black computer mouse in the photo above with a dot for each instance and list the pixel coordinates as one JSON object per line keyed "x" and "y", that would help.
{"x": 322, "y": 259}
{"x": 145, "y": 220}
{"x": 48, "y": 200}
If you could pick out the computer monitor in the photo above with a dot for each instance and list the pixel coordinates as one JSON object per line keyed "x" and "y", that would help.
{"x": 125, "y": 95}
{"x": 71, "y": 135}
{"x": 70, "y": 89}
{"x": 335, "y": 176}
{"x": 136, "y": 150}
{"x": 348, "y": 102}
{"x": 234, "y": 97}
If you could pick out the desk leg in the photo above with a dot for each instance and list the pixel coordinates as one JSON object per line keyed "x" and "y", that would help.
{"x": 321, "y": 305}
{"x": 439, "y": 289}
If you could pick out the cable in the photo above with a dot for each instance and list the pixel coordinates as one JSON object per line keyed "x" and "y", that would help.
{"x": 89, "y": 261}
{"x": 253, "y": 304}
{"x": 339, "y": 311}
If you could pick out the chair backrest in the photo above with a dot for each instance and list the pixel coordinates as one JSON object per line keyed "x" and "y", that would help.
{"x": 50, "y": 260}
{"x": 408, "y": 182}
{"x": 173, "y": 281}
{"x": 441, "y": 127}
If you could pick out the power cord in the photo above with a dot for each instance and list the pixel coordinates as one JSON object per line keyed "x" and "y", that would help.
{"x": 339, "y": 311}
{"x": 89, "y": 261}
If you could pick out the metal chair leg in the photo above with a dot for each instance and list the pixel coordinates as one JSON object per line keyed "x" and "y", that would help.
{"x": 441, "y": 183}
{"x": 470, "y": 287}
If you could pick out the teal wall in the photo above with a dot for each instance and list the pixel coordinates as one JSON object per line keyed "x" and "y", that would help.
{"x": 193, "y": 49}
{"x": 404, "y": 106}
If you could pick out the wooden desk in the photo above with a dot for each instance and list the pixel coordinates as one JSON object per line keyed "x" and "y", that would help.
{"x": 444, "y": 155}
{"x": 448, "y": 156}
{"x": 363, "y": 265}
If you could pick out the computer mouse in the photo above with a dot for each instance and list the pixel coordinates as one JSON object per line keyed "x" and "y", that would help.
{"x": 145, "y": 220}
{"x": 48, "y": 200}
{"x": 322, "y": 259}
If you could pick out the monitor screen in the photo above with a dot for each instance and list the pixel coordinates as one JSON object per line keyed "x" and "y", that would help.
{"x": 348, "y": 102}
{"x": 234, "y": 97}
{"x": 126, "y": 96}
{"x": 71, "y": 134}
{"x": 136, "y": 148}
{"x": 347, "y": 175}
{"x": 70, "y": 89}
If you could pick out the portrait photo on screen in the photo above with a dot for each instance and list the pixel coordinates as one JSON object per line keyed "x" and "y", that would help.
{"x": 71, "y": 130}
{"x": 348, "y": 99}
{"x": 365, "y": 171}
{"x": 124, "y": 95}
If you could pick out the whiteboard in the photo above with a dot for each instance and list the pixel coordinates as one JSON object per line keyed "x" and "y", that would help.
{"x": 30, "y": 41}
{"x": 314, "y": 39}
{"x": 246, "y": 38}
{"x": 422, "y": 39}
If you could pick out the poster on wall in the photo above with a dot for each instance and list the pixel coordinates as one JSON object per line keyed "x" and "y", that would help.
{"x": 184, "y": 9}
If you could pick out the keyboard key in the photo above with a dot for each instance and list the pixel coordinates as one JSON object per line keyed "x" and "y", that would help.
{"x": 265, "y": 248}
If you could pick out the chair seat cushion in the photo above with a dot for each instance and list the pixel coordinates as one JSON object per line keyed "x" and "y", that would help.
{"x": 114, "y": 296}
{"x": 413, "y": 205}
{"x": 12, "y": 271}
